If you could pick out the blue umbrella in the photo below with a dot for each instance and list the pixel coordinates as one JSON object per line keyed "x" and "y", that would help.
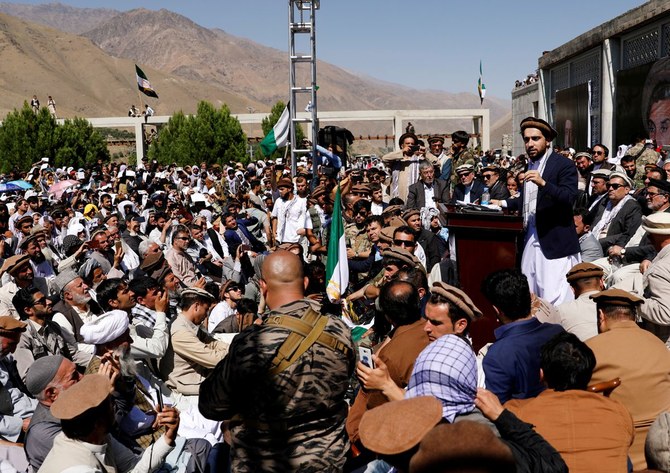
{"x": 9, "y": 187}
{"x": 22, "y": 184}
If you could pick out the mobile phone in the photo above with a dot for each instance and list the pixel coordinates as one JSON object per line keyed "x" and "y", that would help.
{"x": 159, "y": 397}
{"x": 279, "y": 167}
{"x": 93, "y": 244}
{"x": 117, "y": 245}
{"x": 365, "y": 355}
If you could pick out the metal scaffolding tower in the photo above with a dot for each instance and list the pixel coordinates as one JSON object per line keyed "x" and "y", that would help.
{"x": 302, "y": 22}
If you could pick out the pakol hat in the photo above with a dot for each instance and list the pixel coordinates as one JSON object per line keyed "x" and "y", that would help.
{"x": 465, "y": 169}
{"x": 402, "y": 255}
{"x": 621, "y": 175}
{"x": 10, "y": 326}
{"x": 397, "y": 426}
{"x": 410, "y": 213}
{"x": 152, "y": 262}
{"x": 29, "y": 239}
{"x": 584, "y": 153}
{"x": 386, "y": 235}
{"x": 547, "y": 130}
{"x": 459, "y": 298}
{"x": 285, "y": 182}
{"x": 391, "y": 209}
{"x": 435, "y": 139}
{"x": 196, "y": 291}
{"x": 617, "y": 297}
{"x": 602, "y": 173}
{"x": 361, "y": 188}
{"x": 13, "y": 263}
{"x": 88, "y": 393}
{"x": 657, "y": 223}
{"x": 584, "y": 270}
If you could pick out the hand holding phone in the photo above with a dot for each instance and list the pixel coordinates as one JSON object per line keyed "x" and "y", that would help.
{"x": 365, "y": 356}
{"x": 159, "y": 398}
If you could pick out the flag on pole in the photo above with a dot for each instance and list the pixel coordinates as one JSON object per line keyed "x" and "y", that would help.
{"x": 480, "y": 85}
{"x": 278, "y": 136}
{"x": 143, "y": 83}
{"x": 337, "y": 267}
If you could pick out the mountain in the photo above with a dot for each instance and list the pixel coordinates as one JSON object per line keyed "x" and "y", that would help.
{"x": 59, "y": 16}
{"x": 181, "y": 49}
{"x": 85, "y": 81}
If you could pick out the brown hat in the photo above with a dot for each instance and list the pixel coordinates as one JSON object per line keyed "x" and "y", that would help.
{"x": 395, "y": 427}
{"x": 13, "y": 263}
{"x": 462, "y": 443}
{"x": 584, "y": 270}
{"x": 318, "y": 192}
{"x": 458, "y": 297}
{"x": 20, "y": 221}
{"x": 386, "y": 234}
{"x": 160, "y": 273}
{"x": 410, "y": 213}
{"x": 152, "y": 262}
{"x": 29, "y": 239}
{"x": 547, "y": 130}
{"x": 397, "y": 222}
{"x": 435, "y": 139}
{"x": 82, "y": 396}
{"x": 401, "y": 255}
{"x": 391, "y": 209}
{"x": 285, "y": 182}
{"x": 361, "y": 188}
{"x": 617, "y": 297}
{"x": 9, "y": 325}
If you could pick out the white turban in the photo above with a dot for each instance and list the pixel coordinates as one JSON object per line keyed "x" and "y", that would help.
{"x": 106, "y": 328}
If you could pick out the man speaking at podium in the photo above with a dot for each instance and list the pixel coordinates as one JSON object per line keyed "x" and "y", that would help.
{"x": 550, "y": 188}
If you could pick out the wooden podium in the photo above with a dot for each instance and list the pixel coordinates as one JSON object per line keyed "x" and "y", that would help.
{"x": 485, "y": 242}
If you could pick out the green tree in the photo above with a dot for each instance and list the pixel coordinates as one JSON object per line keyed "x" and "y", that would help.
{"x": 210, "y": 136}
{"x": 26, "y": 137}
{"x": 270, "y": 121}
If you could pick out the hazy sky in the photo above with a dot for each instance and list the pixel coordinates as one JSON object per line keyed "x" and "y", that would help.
{"x": 429, "y": 44}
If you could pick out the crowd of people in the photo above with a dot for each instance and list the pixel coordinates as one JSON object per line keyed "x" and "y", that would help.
{"x": 177, "y": 317}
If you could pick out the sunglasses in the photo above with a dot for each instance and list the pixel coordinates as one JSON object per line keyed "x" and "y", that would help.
{"x": 487, "y": 176}
{"x": 363, "y": 213}
{"x": 598, "y": 152}
{"x": 40, "y": 301}
{"x": 233, "y": 288}
{"x": 183, "y": 238}
{"x": 463, "y": 174}
{"x": 614, "y": 186}
{"x": 404, "y": 243}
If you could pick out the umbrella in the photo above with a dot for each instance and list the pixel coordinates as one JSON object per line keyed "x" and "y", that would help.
{"x": 58, "y": 188}
{"x": 22, "y": 184}
{"x": 9, "y": 187}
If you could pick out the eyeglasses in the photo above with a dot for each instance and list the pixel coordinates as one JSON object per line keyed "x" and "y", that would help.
{"x": 237, "y": 289}
{"x": 40, "y": 301}
{"x": 183, "y": 238}
{"x": 614, "y": 186}
{"x": 651, "y": 195}
{"x": 463, "y": 174}
{"x": 598, "y": 152}
{"x": 404, "y": 243}
{"x": 487, "y": 176}
{"x": 362, "y": 212}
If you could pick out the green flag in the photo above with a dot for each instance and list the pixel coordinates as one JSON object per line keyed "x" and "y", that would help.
{"x": 337, "y": 267}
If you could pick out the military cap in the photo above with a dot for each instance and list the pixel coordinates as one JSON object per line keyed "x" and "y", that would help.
{"x": 617, "y": 297}
{"x": 41, "y": 372}
{"x": 583, "y": 153}
{"x": 386, "y": 235}
{"x": 547, "y": 130}
{"x": 623, "y": 176}
{"x": 13, "y": 263}
{"x": 657, "y": 223}
{"x": 9, "y": 325}
{"x": 397, "y": 426}
{"x": 391, "y": 209}
{"x": 465, "y": 168}
{"x": 152, "y": 262}
{"x": 22, "y": 220}
{"x": 88, "y": 393}
{"x": 663, "y": 185}
{"x": 285, "y": 182}
{"x": 602, "y": 173}
{"x": 29, "y": 239}
{"x": 435, "y": 139}
{"x": 458, "y": 298}
{"x": 361, "y": 188}
{"x": 60, "y": 213}
{"x": 410, "y": 213}
{"x": 401, "y": 255}
{"x": 196, "y": 291}
{"x": 584, "y": 270}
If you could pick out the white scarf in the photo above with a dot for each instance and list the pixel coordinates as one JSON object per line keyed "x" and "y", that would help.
{"x": 530, "y": 191}
{"x": 608, "y": 215}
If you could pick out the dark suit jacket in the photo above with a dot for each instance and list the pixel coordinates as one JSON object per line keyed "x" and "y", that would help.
{"x": 499, "y": 190}
{"x": 233, "y": 240}
{"x": 475, "y": 193}
{"x": 416, "y": 197}
{"x": 623, "y": 226}
{"x": 555, "y": 223}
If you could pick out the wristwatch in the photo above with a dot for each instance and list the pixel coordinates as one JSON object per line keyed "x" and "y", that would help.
{"x": 623, "y": 251}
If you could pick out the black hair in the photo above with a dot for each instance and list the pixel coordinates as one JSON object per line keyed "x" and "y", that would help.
{"x": 108, "y": 291}
{"x": 81, "y": 426}
{"x": 455, "y": 312}
{"x": 362, "y": 204}
{"x": 399, "y": 301}
{"x": 190, "y": 298}
{"x": 24, "y": 299}
{"x": 375, "y": 218}
{"x": 567, "y": 362}
{"x": 244, "y": 306}
{"x": 404, "y": 229}
{"x": 460, "y": 136}
{"x": 396, "y": 201}
{"x": 586, "y": 214}
{"x": 416, "y": 276}
{"x": 142, "y": 286}
{"x": 605, "y": 148}
{"x": 508, "y": 290}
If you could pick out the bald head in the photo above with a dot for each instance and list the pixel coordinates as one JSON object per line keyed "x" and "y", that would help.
{"x": 283, "y": 279}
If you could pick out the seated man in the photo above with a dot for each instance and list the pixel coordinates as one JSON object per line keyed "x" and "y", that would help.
{"x": 512, "y": 363}
{"x": 579, "y": 316}
{"x": 194, "y": 352}
{"x": 573, "y": 419}
{"x": 642, "y": 361}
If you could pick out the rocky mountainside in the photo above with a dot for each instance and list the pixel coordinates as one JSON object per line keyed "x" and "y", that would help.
{"x": 59, "y": 16}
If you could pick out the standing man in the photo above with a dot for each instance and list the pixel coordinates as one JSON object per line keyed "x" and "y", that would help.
{"x": 284, "y": 394}
{"x": 442, "y": 159}
{"x": 404, "y": 165}
{"x": 459, "y": 153}
{"x": 288, "y": 214}
{"x": 549, "y": 192}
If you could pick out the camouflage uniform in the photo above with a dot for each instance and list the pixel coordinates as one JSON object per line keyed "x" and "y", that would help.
{"x": 356, "y": 239}
{"x": 648, "y": 156}
{"x": 464, "y": 157}
{"x": 289, "y": 422}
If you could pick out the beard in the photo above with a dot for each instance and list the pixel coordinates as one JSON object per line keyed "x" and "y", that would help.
{"x": 81, "y": 298}
{"x": 126, "y": 362}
